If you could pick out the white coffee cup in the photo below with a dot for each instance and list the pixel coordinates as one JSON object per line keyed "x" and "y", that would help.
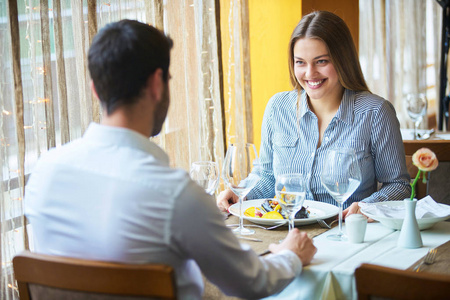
{"x": 355, "y": 225}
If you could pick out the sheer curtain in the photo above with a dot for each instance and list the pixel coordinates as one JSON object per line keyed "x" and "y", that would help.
{"x": 236, "y": 70}
{"x": 46, "y": 99}
{"x": 399, "y": 51}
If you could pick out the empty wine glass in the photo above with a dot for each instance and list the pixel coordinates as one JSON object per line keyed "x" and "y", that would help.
{"x": 291, "y": 191}
{"x": 206, "y": 174}
{"x": 240, "y": 173}
{"x": 416, "y": 106}
{"x": 341, "y": 176}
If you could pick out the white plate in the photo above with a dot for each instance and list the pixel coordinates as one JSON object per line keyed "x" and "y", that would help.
{"x": 317, "y": 210}
{"x": 424, "y": 223}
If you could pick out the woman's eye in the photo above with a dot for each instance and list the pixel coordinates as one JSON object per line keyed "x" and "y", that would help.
{"x": 322, "y": 61}
{"x": 299, "y": 62}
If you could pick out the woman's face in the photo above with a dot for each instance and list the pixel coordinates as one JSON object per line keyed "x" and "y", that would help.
{"x": 314, "y": 70}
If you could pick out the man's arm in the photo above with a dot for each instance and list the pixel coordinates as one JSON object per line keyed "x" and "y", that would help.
{"x": 201, "y": 232}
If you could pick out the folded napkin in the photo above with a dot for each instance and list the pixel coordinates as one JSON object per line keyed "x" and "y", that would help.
{"x": 425, "y": 208}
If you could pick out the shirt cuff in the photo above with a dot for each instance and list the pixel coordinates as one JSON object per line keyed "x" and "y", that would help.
{"x": 293, "y": 259}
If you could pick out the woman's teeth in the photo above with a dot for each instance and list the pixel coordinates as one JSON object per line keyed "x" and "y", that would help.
{"x": 315, "y": 83}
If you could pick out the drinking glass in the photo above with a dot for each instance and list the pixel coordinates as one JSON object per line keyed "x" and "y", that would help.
{"x": 240, "y": 173}
{"x": 341, "y": 176}
{"x": 206, "y": 175}
{"x": 416, "y": 106}
{"x": 291, "y": 191}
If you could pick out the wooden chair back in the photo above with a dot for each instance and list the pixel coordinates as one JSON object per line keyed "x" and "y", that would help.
{"x": 53, "y": 277}
{"x": 378, "y": 281}
{"x": 440, "y": 147}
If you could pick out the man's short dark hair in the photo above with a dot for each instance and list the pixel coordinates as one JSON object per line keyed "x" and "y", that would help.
{"x": 122, "y": 57}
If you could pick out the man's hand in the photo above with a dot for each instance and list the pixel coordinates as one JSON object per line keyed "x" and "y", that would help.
{"x": 299, "y": 243}
{"x": 354, "y": 209}
{"x": 225, "y": 199}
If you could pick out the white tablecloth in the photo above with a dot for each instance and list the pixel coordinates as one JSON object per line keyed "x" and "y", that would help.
{"x": 330, "y": 275}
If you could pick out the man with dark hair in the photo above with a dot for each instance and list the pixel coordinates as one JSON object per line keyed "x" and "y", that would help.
{"x": 112, "y": 196}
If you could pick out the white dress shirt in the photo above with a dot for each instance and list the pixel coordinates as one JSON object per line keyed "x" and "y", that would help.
{"x": 112, "y": 196}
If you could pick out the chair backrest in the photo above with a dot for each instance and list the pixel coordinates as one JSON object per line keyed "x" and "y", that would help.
{"x": 53, "y": 277}
{"x": 378, "y": 281}
{"x": 440, "y": 147}
{"x": 439, "y": 184}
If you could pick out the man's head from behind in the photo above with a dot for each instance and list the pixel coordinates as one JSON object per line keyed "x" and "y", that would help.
{"x": 122, "y": 57}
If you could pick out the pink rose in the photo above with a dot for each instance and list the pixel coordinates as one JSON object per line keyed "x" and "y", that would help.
{"x": 425, "y": 160}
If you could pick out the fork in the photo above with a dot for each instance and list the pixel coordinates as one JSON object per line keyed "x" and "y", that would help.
{"x": 323, "y": 224}
{"x": 429, "y": 259}
{"x": 258, "y": 226}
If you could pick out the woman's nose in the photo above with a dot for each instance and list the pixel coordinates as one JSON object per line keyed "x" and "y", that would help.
{"x": 310, "y": 70}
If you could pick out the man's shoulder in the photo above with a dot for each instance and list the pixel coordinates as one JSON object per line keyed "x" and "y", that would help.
{"x": 60, "y": 152}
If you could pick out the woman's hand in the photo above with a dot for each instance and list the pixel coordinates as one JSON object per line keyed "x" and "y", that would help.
{"x": 225, "y": 199}
{"x": 354, "y": 209}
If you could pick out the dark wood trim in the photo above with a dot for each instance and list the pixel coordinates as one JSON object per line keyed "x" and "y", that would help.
{"x": 220, "y": 67}
{"x": 247, "y": 81}
{"x": 440, "y": 147}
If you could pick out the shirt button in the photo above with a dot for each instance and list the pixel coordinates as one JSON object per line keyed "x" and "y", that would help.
{"x": 312, "y": 154}
{"x": 326, "y": 139}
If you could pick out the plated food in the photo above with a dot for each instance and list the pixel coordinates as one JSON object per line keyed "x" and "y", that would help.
{"x": 316, "y": 210}
{"x": 271, "y": 209}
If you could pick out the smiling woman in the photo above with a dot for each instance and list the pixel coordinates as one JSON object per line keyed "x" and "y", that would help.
{"x": 330, "y": 107}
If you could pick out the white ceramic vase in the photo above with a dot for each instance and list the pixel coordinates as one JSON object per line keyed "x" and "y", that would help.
{"x": 410, "y": 234}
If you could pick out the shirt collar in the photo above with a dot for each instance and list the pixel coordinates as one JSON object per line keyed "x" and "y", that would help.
{"x": 303, "y": 107}
{"x": 344, "y": 113}
{"x": 123, "y": 137}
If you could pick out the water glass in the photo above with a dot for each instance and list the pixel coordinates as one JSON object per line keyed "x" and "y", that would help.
{"x": 291, "y": 191}
{"x": 341, "y": 176}
{"x": 416, "y": 107}
{"x": 206, "y": 175}
{"x": 240, "y": 173}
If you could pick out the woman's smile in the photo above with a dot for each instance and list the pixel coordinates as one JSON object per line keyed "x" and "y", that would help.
{"x": 315, "y": 84}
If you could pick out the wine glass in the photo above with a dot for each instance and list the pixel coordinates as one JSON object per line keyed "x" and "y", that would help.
{"x": 416, "y": 106}
{"x": 206, "y": 175}
{"x": 240, "y": 173}
{"x": 291, "y": 191}
{"x": 341, "y": 176}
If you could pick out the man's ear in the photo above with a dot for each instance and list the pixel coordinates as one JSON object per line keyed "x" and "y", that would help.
{"x": 94, "y": 90}
{"x": 155, "y": 84}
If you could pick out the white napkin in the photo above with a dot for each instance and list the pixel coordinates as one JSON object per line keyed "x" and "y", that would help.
{"x": 425, "y": 208}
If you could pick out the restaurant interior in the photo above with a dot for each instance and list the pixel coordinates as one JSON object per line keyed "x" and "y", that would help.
{"x": 229, "y": 58}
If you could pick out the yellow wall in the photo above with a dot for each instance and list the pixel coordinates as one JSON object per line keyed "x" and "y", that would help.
{"x": 271, "y": 25}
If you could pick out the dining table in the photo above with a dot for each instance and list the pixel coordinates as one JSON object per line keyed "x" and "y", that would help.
{"x": 331, "y": 272}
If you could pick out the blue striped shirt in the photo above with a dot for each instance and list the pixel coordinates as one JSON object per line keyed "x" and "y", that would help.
{"x": 364, "y": 121}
